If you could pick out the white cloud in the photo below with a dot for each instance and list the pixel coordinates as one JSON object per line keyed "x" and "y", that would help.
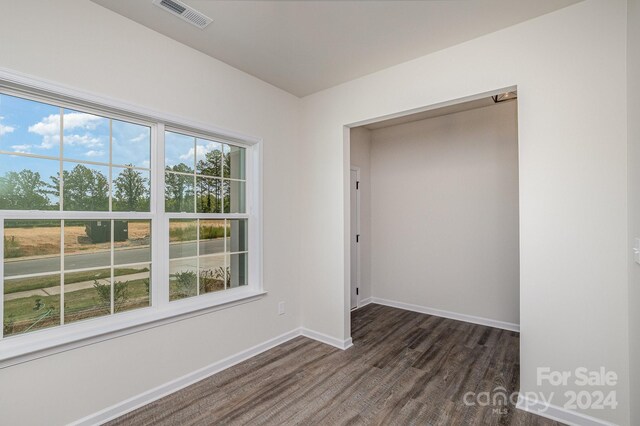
{"x": 94, "y": 153}
{"x": 83, "y": 140}
{"x": 49, "y": 129}
{"x": 5, "y": 129}
{"x": 49, "y": 141}
{"x": 200, "y": 152}
{"x": 48, "y": 126}
{"x": 21, "y": 148}
{"x": 146, "y": 164}
{"x": 139, "y": 138}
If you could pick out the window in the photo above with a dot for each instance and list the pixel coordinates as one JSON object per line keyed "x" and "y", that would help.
{"x": 84, "y": 192}
{"x": 205, "y": 178}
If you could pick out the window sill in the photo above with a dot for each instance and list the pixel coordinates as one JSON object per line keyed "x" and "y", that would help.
{"x": 19, "y": 349}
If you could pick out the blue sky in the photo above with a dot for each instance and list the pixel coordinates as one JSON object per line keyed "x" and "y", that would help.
{"x": 33, "y": 127}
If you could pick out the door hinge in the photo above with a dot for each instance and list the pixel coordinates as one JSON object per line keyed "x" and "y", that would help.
{"x": 358, "y": 184}
{"x": 357, "y": 291}
{"x": 357, "y": 238}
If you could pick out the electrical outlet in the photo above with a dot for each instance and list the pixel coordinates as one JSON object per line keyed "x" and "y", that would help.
{"x": 281, "y": 308}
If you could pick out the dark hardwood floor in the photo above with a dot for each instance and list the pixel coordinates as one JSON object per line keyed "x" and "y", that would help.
{"x": 405, "y": 368}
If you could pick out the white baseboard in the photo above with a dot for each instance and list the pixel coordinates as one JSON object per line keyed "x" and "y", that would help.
{"x": 156, "y": 393}
{"x": 364, "y": 302}
{"x": 321, "y": 337}
{"x": 559, "y": 414}
{"x": 446, "y": 314}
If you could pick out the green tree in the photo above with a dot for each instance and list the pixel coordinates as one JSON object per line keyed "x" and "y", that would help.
{"x": 210, "y": 190}
{"x": 85, "y": 189}
{"x": 179, "y": 189}
{"x": 25, "y": 190}
{"x": 131, "y": 191}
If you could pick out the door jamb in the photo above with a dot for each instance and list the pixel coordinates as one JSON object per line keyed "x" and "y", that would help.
{"x": 358, "y": 251}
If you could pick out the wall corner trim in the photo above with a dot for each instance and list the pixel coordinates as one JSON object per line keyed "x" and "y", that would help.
{"x": 175, "y": 385}
{"x": 364, "y": 302}
{"x": 321, "y": 337}
{"x": 553, "y": 412}
{"x": 446, "y": 314}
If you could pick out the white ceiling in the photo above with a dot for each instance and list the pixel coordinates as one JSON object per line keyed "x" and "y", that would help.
{"x": 307, "y": 46}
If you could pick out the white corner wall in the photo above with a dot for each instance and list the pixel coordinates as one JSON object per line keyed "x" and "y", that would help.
{"x": 444, "y": 212}
{"x": 361, "y": 157}
{"x": 87, "y": 47}
{"x": 633, "y": 114}
{"x": 572, "y": 136}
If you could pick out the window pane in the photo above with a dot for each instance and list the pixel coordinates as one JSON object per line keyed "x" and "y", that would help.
{"x": 178, "y": 193}
{"x": 182, "y": 278}
{"x": 208, "y": 195}
{"x": 31, "y": 303}
{"x": 239, "y": 270}
{"x": 234, "y": 162}
{"x": 234, "y": 196}
{"x": 87, "y": 294}
{"x": 29, "y": 126}
{"x": 28, "y": 183}
{"x": 213, "y": 274}
{"x": 87, "y": 244}
{"x": 31, "y": 247}
{"x": 131, "y": 288}
{"x": 86, "y": 136}
{"x": 132, "y": 241}
{"x": 131, "y": 144}
{"x": 182, "y": 238}
{"x": 131, "y": 191}
{"x": 179, "y": 152}
{"x": 211, "y": 236}
{"x": 85, "y": 187}
{"x": 237, "y": 235}
{"x": 208, "y": 158}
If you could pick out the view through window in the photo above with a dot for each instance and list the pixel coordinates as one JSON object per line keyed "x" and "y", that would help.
{"x": 77, "y": 214}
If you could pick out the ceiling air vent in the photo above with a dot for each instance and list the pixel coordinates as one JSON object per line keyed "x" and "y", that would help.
{"x": 185, "y": 12}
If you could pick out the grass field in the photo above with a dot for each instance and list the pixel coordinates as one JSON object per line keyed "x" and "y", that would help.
{"x": 35, "y": 283}
{"x": 20, "y": 314}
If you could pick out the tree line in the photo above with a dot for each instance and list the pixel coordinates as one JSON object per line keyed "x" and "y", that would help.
{"x": 84, "y": 189}
{"x": 213, "y": 195}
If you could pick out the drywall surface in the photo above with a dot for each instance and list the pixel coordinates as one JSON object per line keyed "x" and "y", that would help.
{"x": 633, "y": 125}
{"x": 361, "y": 157}
{"x": 87, "y": 47}
{"x": 573, "y": 183}
{"x": 444, "y": 211}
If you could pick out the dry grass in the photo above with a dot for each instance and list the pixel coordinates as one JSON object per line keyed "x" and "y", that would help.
{"x": 43, "y": 241}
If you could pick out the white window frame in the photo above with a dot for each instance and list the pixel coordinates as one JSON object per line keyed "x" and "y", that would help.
{"x": 35, "y": 344}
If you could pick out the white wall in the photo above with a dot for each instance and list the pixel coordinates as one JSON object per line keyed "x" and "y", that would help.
{"x": 85, "y": 46}
{"x": 444, "y": 209}
{"x": 361, "y": 157}
{"x": 572, "y": 138}
{"x": 633, "y": 114}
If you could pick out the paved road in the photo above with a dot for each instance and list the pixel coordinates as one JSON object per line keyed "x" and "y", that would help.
{"x": 97, "y": 259}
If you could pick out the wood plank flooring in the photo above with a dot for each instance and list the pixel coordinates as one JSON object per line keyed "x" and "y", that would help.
{"x": 405, "y": 368}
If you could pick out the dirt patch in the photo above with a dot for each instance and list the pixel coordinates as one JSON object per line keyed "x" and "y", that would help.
{"x": 46, "y": 241}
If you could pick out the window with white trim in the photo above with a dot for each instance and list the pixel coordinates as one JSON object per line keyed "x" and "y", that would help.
{"x": 205, "y": 193}
{"x": 84, "y": 192}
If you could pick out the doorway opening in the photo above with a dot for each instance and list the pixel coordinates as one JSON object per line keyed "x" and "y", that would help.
{"x": 434, "y": 211}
